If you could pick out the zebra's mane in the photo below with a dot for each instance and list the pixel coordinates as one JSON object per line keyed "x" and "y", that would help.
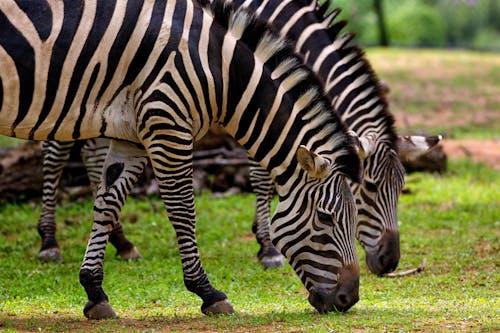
{"x": 348, "y": 48}
{"x": 283, "y": 62}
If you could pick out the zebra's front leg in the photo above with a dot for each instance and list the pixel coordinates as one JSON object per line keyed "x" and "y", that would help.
{"x": 263, "y": 188}
{"x": 123, "y": 166}
{"x": 176, "y": 188}
{"x": 55, "y": 155}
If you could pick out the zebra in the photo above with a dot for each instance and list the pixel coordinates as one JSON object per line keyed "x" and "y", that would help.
{"x": 55, "y": 156}
{"x": 357, "y": 95}
{"x": 153, "y": 76}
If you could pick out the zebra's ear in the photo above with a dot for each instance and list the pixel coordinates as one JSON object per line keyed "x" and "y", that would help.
{"x": 364, "y": 144}
{"x": 411, "y": 147}
{"x": 311, "y": 162}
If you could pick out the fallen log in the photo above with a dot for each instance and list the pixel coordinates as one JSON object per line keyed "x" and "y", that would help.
{"x": 219, "y": 165}
{"x": 21, "y": 172}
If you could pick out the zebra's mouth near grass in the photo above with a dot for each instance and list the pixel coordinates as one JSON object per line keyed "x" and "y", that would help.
{"x": 342, "y": 297}
{"x": 325, "y": 302}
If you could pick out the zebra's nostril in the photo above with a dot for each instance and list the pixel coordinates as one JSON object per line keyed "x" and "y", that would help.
{"x": 342, "y": 299}
{"x": 381, "y": 259}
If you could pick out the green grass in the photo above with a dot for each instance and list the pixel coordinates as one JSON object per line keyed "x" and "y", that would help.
{"x": 452, "y": 220}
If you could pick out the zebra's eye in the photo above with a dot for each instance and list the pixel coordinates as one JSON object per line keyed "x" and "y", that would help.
{"x": 370, "y": 186}
{"x": 325, "y": 218}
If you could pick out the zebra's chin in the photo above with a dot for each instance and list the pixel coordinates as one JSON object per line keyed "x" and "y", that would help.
{"x": 342, "y": 297}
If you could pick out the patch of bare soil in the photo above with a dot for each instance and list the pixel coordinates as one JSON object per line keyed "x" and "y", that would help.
{"x": 479, "y": 151}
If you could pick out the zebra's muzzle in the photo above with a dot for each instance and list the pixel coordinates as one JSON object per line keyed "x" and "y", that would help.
{"x": 384, "y": 257}
{"x": 340, "y": 299}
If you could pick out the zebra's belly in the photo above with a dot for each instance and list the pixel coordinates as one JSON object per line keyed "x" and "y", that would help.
{"x": 117, "y": 120}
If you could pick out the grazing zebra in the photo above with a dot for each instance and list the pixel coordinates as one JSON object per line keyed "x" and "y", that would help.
{"x": 55, "y": 156}
{"x": 355, "y": 93}
{"x": 153, "y": 76}
{"x": 348, "y": 76}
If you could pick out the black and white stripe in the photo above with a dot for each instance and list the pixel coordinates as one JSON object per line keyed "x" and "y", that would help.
{"x": 153, "y": 76}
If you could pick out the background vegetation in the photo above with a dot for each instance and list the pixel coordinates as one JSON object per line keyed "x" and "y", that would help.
{"x": 454, "y": 93}
{"x": 473, "y": 24}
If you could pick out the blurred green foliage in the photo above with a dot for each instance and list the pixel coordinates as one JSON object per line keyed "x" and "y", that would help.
{"x": 473, "y": 24}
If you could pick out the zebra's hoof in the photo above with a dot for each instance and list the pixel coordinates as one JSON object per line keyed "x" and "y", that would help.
{"x": 132, "y": 254}
{"x": 272, "y": 261}
{"x": 220, "y": 307}
{"x": 99, "y": 311}
{"x": 50, "y": 255}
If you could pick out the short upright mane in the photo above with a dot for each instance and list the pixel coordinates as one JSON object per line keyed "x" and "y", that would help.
{"x": 284, "y": 63}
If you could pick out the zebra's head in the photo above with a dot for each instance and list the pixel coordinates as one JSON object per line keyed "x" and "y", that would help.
{"x": 313, "y": 227}
{"x": 377, "y": 196}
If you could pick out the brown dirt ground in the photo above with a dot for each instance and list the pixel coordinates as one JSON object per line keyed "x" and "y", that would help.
{"x": 70, "y": 323}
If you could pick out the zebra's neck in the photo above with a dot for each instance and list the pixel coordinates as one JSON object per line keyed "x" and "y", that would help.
{"x": 264, "y": 79}
{"x": 349, "y": 79}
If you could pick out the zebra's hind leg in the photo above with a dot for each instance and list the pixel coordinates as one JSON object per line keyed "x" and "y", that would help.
{"x": 122, "y": 168}
{"x": 263, "y": 188}
{"x": 55, "y": 155}
{"x": 93, "y": 154}
{"x": 174, "y": 172}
